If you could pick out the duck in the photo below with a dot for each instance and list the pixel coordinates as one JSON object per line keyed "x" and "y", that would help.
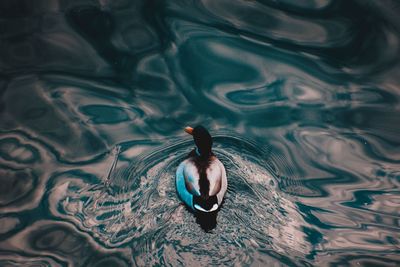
{"x": 201, "y": 180}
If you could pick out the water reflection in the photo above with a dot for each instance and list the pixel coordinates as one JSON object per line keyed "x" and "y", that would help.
{"x": 302, "y": 97}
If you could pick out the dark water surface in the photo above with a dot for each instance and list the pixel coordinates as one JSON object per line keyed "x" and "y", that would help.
{"x": 301, "y": 96}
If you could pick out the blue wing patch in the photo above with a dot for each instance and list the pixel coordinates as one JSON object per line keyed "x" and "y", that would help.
{"x": 183, "y": 193}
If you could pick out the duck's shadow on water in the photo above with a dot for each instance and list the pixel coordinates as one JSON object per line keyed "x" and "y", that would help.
{"x": 207, "y": 221}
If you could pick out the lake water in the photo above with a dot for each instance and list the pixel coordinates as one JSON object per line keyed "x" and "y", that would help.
{"x": 302, "y": 98}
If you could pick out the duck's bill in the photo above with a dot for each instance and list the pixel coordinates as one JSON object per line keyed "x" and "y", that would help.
{"x": 214, "y": 208}
{"x": 189, "y": 130}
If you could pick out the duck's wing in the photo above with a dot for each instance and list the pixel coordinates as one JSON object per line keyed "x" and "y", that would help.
{"x": 214, "y": 176}
{"x": 224, "y": 182}
{"x": 183, "y": 193}
{"x": 192, "y": 177}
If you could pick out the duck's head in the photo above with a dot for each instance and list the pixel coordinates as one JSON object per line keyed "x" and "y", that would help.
{"x": 202, "y": 139}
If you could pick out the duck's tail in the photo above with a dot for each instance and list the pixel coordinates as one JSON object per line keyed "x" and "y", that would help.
{"x": 203, "y": 204}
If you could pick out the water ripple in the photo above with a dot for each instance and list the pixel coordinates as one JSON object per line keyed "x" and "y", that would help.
{"x": 301, "y": 96}
{"x": 148, "y": 189}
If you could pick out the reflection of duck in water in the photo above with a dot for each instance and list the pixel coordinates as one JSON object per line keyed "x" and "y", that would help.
{"x": 201, "y": 179}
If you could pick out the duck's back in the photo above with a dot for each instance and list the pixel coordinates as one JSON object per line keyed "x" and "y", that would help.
{"x": 214, "y": 176}
{"x": 203, "y": 177}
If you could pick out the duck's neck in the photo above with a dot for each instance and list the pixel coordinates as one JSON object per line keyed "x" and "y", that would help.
{"x": 197, "y": 152}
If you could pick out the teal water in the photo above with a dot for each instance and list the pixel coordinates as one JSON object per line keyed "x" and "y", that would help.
{"x": 302, "y": 98}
